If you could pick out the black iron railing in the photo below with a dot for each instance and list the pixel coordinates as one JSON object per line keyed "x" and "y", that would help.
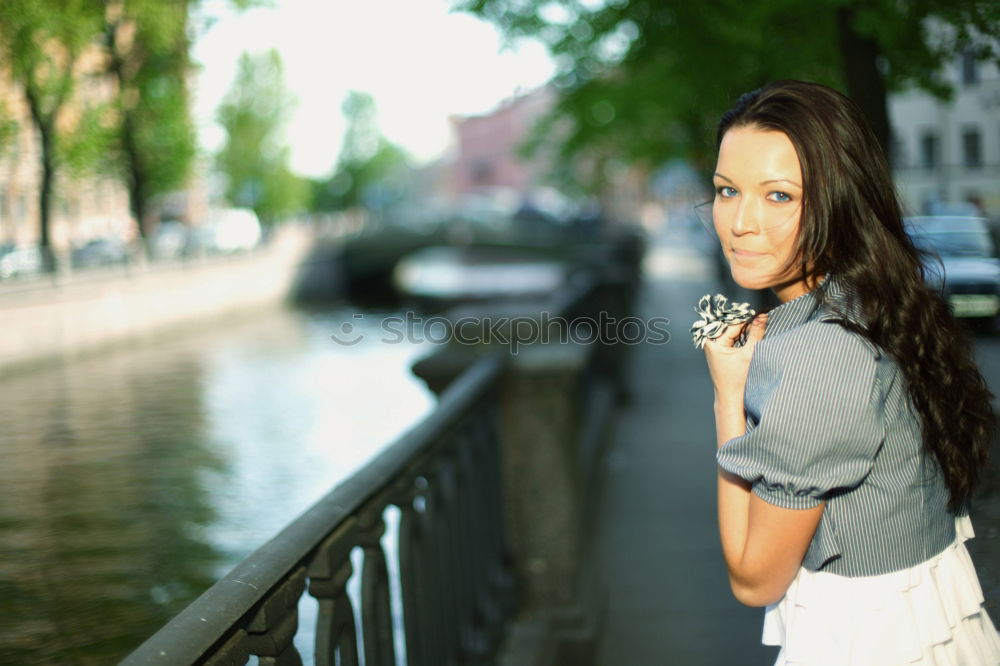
{"x": 456, "y": 577}
{"x": 443, "y": 476}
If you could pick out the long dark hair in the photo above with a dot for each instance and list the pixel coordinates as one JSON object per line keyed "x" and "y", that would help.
{"x": 852, "y": 227}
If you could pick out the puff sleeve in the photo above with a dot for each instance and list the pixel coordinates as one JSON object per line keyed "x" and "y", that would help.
{"x": 813, "y": 417}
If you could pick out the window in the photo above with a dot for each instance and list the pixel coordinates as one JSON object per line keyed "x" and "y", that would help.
{"x": 929, "y": 150}
{"x": 972, "y": 148}
{"x": 897, "y": 151}
{"x": 482, "y": 172}
{"x": 970, "y": 69}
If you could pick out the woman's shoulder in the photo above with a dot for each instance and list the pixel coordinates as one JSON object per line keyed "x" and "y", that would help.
{"x": 824, "y": 342}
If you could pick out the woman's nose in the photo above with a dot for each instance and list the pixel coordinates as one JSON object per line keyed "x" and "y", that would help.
{"x": 746, "y": 219}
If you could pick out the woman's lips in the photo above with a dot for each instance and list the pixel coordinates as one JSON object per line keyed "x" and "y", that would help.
{"x": 747, "y": 254}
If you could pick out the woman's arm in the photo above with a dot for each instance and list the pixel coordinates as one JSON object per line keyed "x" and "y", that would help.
{"x": 763, "y": 544}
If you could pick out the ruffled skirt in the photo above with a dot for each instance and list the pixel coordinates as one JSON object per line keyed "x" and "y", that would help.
{"x": 930, "y": 614}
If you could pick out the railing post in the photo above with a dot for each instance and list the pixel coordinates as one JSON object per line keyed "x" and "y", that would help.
{"x": 329, "y": 572}
{"x": 551, "y": 413}
{"x": 538, "y": 418}
{"x": 376, "y": 606}
{"x": 272, "y": 629}
{"x": 539, "y": 450}
{"x": 418, "y": 592}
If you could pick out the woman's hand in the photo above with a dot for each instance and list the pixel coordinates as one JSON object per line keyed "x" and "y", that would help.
{"x": 728, "y": 365}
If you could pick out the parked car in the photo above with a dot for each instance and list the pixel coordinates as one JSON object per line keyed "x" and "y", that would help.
{"x": 108, "y": 251}
{"x": 964, "y": 263}
{"x": 15, "y": 260}
{"x": 229, "y": 230}
{"x": 953, "y": 209}
{"x": 170, "y": 240}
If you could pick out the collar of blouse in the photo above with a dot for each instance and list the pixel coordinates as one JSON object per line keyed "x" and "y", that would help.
{"x": 841, "y": 303}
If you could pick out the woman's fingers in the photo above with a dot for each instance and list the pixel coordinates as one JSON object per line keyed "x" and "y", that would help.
{"x": 756, "y": 331}
{"x": 732, "y": 333}
{"x": 728, "y": 365}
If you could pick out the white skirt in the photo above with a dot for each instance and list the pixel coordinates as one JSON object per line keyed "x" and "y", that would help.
{"x": 930, "y": 614}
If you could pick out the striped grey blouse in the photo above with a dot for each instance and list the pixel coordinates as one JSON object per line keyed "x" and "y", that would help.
{"x": 829, "y": 420}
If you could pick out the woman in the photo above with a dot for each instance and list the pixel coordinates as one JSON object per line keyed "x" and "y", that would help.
{"x": 851, "y": 419}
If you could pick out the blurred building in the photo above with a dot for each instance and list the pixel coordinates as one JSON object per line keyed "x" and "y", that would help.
{"x": 82, "y": 208}
{"x": 486, "y": 146}
{"x": 486, "y": 164}
{"x": 946, "y": 155}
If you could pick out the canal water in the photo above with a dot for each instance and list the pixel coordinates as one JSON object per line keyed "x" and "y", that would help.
{"x": 132, "y": 479}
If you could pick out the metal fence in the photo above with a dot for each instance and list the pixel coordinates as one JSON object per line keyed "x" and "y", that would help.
{"x": 443, "y": 475}
{"x": 456, "y": 577}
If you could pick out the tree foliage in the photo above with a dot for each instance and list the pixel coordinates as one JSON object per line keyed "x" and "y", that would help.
{"x": 41, "y": 44}
{"x": 645, "y": 80}
{"x": 369, "y": 166}
{"x": 85, "y": 150}
{"x": 148, "y": 44}
{"x": 142, "y": 132}
{"x": 8, "y": 128}
{"x": 255, "y": 156}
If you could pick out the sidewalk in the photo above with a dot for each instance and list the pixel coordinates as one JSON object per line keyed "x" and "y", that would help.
{"x": 657, "y": 544}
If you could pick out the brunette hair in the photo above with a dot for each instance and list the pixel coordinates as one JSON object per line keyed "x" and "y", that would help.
{"x": 852, "y": 227}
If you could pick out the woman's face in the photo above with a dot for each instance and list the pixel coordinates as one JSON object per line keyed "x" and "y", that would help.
{"x": 758, "y": 207}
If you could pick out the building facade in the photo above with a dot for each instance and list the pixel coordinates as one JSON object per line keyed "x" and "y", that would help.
{"x": 946, "y": 155}
{"x": 486, "y": 146}
{"x": 485, "y": 158}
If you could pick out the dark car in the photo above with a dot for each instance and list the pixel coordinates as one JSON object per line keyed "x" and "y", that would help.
{"x": 964, "y": 264}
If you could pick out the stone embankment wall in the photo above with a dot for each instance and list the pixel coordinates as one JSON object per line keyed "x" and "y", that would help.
{"x": 77, "y": 313}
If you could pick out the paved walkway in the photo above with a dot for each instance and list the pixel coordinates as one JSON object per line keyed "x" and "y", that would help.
{"x": 657, "y": 544}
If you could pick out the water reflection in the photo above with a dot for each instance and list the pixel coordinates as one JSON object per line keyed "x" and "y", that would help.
{"x": 131, "y": 480}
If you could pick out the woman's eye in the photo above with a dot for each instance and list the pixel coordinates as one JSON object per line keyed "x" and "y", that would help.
{"x": 725, "y": 191}
{"x": 780, "y": 197}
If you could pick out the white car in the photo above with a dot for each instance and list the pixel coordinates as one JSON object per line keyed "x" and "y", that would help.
{"x": 19, "y": 261}
{"x": 231, "y": 230}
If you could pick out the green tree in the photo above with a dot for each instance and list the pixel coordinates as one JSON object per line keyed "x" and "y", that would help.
{"x": 84, "y": 151}
{"x": 369, "y": 166}
{"x": 254, "y": 158}
{"x": 646, "y": 79}
{"x": 148, "y": 45}
{"x": 8, "y": 128}
{"x": 41, "y": 43}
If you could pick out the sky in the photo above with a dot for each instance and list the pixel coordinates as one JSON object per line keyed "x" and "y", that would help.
{"x": 419, "y": 61}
